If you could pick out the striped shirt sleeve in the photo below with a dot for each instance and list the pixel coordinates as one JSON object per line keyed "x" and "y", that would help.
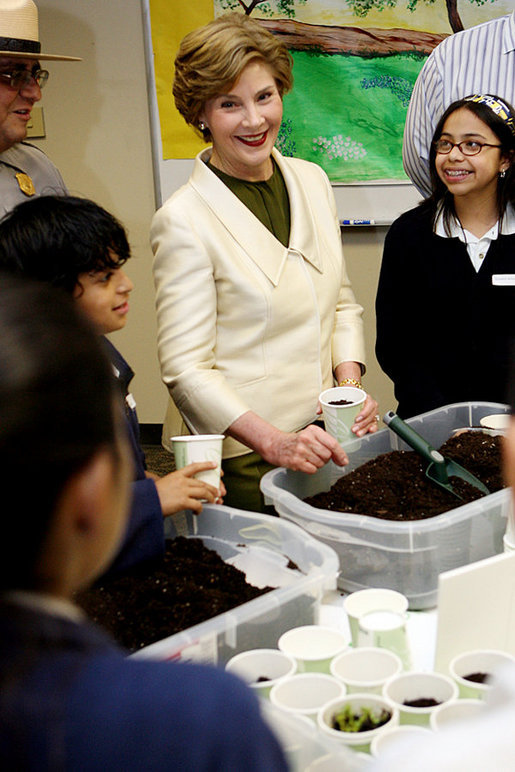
{"x": 478, "y": 60}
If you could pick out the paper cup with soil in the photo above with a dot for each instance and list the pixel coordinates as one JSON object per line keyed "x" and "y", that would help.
{"x": 356, "y": 719}
{"x": 417, "y": 694}
{"x": 340, "y": 406}
{"x": 472, "y": 670}
{"x": 261, "y": 669}
{"x": 200, "y": 447}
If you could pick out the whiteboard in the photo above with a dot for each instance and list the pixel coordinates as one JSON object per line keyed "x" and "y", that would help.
{"x": 378, "y": 203}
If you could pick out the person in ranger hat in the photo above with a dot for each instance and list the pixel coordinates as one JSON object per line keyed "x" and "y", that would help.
{"x": 25, "y": 170}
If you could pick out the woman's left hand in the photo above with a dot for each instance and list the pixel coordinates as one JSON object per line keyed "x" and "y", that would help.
{"x": 368, "y": 419}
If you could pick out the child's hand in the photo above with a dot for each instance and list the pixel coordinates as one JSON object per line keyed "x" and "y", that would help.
{"x": 181, "y": 490}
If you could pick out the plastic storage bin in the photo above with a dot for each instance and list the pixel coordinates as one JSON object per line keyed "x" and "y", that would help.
{"x": 407, "y": 557}
{"x": 271, "y": 552}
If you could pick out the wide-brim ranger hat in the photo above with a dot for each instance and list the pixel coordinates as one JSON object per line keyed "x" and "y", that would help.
{"x": 19, "y": 32}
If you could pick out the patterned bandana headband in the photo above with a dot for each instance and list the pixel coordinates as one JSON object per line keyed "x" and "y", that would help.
{"x": 497, "y": 106}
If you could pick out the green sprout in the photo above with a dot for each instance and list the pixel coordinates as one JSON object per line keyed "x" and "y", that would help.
{"x": 348, "y": 720}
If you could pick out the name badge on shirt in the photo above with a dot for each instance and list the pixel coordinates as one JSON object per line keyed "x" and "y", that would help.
{"x": 503, "y": 279}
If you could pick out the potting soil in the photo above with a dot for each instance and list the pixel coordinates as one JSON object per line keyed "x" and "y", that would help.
{"x": 394, "y": 486}
{"x": 190, "y": 584}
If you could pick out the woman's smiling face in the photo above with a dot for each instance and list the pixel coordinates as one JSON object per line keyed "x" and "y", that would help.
{"x": 470, "y": 175}
{"x": 244, "y": 123}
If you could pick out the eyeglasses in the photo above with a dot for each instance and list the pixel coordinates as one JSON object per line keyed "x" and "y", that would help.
{"x": 18, "y": 79}
{"x": 467, "y": 147}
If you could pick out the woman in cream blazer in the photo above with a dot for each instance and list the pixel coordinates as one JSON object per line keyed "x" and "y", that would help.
{"x": 251, "y": 331}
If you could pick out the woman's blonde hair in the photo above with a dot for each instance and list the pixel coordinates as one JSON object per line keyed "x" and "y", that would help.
{"x": 211, "y": 59}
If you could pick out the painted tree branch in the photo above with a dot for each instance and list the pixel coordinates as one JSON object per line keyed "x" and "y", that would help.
{"x": 351, "y": 40}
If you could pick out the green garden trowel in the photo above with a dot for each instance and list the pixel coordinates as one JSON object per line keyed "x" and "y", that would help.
{"x": 440, "y": 468}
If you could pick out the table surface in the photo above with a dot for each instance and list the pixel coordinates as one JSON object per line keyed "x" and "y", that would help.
{"x": 421, "y": 628}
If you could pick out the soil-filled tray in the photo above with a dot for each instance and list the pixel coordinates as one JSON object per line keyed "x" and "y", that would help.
{"x": 394, "y": 486}
{"x": 188, "y": 585}
{"x": 229, "y": 559}
{"x": 401, "y": 544}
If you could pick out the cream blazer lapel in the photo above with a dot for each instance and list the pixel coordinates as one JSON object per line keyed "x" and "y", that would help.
{"x": 262, "y": 247}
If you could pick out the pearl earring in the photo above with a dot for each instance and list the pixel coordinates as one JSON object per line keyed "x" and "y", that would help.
{"x": 202, "y": 126}
{"x": 502, "y": 174}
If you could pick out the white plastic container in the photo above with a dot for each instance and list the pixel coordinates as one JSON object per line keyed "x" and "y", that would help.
{"x": 271, "y": 552}
{"x": 407, "y": 557}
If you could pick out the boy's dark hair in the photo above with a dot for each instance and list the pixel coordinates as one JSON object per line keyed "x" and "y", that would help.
{"x": 57, "y": 238}
{"x": 57, "y": 410}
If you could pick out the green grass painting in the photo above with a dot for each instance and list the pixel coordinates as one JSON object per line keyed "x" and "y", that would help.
{"x": 347, "y": 113}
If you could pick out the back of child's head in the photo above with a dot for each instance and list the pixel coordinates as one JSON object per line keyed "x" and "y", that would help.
{"x": 57, "y": 238}
{"x": 56, "y": 412}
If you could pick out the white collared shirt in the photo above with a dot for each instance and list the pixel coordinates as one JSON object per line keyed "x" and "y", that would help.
{"x": 49, "y": 604}
{"x": 477, "y": 247}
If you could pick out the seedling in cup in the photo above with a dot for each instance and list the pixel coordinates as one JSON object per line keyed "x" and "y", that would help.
{"x": 356, "y": 719}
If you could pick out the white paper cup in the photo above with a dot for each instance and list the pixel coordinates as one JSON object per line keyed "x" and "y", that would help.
{"x": 388, "y": 739}
{"x": 305, "y": 693}
{"x": 372, "y": 599}
{"x": 415, "y": 686}
{"x": 366, "y": 669}
{"x": 190, "y": 448}
{"x": 386, "y": 630}
{"x": 453, "y": 711}
{"x": 313, "y": 646}
{"x": 477, "y": 661}
{"x": 339, "y": 419}
{"x": 360, "y": 741}
{"x": 258, "y": 664}
{"x": 497, "y": 421}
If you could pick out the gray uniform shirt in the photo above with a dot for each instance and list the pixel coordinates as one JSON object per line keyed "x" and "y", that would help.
{"x": 26, "y": 159}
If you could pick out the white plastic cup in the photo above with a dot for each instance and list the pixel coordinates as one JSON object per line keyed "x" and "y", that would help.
{"x": 360, "y": 741}
{"x": 387, "y": 630}
{"x": 190, "y": 448}
{"x": 313, "y": 646}
{"x": 391, "y": 737}
{"x": 371, "y": 599}
{"x": 305, "y": 693}
{"x": 453, "y": 711}
{"x": 339, "y": 419}
{"x": 476, "y": 661}
{"x": 257, "y": 664}
{"x": 497, "y": 421}
{"x": 366, "y": 669}
{"x": 415, "y": 686}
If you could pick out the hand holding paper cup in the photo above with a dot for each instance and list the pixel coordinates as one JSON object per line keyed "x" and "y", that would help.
{"x": 200, "y": 447}
{"x": 340, "y": 406}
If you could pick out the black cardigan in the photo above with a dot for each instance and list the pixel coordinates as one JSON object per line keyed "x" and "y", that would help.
{"x": 444, "y": 331}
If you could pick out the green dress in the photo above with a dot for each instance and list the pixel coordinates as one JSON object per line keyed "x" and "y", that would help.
{"x": 268, "y": 201}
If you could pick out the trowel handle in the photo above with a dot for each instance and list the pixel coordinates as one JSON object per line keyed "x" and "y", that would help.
{"x": 413, "y": 439}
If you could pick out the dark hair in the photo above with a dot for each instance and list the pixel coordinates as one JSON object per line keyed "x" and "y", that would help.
{"x": 506, "y": 137}
{"x": 57, "y": 238}
{"x": 56, "y": 411}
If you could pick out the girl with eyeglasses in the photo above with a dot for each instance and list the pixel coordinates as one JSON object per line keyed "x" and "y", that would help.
{"x": 446, "y": 296}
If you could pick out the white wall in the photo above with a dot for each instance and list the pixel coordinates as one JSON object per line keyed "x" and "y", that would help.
{"x": 98, "y": 134}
